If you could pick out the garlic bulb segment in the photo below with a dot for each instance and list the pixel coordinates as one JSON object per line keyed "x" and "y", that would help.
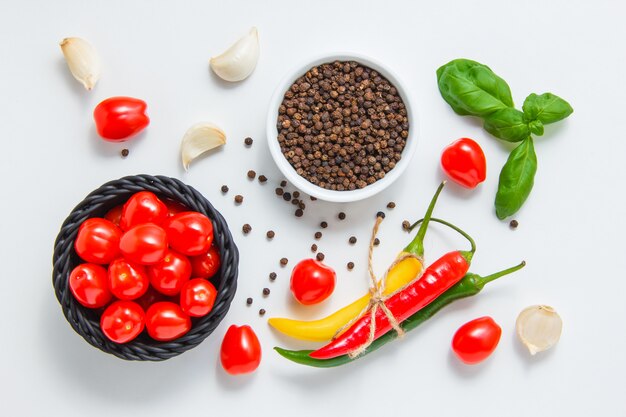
{"x": 200, "y": 138}
{"x": 539, "y": 328}
{"x": 82, "y": 60}
{"x": 238, "y": 61}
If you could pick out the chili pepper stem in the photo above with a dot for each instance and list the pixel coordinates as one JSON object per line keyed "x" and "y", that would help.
{"x": 453, "y": 227}
{"x": 417, "y": 244}
{"x": 482, "y": 281}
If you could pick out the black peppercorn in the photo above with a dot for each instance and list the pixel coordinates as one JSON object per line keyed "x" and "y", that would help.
{"x": 391, "y": 205}
{"x": 406, "y": 225}
{"x": 279, "y": 191}
{"x": 249, "y": 301}
{"x": 287, "y": 196}
{"x": 262, "y": 312}
{"x": 124, "y": 153}
{"x": 262, "y": 179}
{"x": 323, "y": 225}
{"x": 341, "y": 215}
{"x": 283, "y": 183}
{"x": 376, "y": 242}
{"x": 246, "y": 228}
{"x": 251, "y": 174}
{"x": 299, "y": 212}
{"x": 272, "y": 276}
{"x": 319, "y": 256}
{"x": 238, "y": 199}
{"x": 380, "y": 214}
{"x": 513, "y": 224}
{"x": 270, "y": 234}
{"x": 266, "y": 291}
{"x": 352, "y": 240}
{"x": 283, "y": 261}
{"x": 318, "y": 235}
{"x": 314, "y": 248}
{"x": 224, "y": 189}
{"x": 350, "y": 266}
{"x": 248, "y": 141}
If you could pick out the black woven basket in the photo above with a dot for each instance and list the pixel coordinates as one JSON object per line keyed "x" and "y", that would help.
{"x": 86, "y": 322}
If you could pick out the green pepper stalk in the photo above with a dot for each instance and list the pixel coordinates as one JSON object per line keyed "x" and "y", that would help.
{"x": 470, "y": 284}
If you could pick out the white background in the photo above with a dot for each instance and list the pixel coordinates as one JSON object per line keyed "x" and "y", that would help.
{"x": 570, "y": 229}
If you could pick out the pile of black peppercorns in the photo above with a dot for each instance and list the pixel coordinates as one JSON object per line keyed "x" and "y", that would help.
{"x": 342, "y": 126}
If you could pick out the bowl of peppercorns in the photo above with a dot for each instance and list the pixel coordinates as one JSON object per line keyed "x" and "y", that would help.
{"x": 340, "y": 127}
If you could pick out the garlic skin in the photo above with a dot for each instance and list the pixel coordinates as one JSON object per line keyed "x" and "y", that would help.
{"x": 539, "y": 328}
{"x": 82, "y": 60}
{"x": 200, "y": 138}
{"x": 238, "y": 61}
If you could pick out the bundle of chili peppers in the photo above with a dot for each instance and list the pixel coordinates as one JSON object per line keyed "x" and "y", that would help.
{"x": 398, "y": 309}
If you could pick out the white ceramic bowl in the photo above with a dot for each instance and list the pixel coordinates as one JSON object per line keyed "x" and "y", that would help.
{"x": 300, "y": 182}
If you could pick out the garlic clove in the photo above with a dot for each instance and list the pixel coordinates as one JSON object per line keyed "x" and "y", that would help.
{"x": 200, "y": 138}
{"x": 238, "y": 61}
{"x": 539, "y": 328}
{"x": 82, "y": 60}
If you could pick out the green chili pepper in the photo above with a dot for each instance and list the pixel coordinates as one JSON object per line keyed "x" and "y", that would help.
{"x": 470, "y": 285}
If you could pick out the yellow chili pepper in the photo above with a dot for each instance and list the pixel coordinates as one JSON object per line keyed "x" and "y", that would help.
{"x": 405, "y": 271}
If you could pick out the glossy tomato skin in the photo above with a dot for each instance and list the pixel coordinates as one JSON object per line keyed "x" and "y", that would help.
{"x": 145, "y": 244}
{"x": 89, "y": 285}
{"x": 197, "y": 297}
{"x": 240, "y": 352}
{"x": 464, "y": 162}
{"x": 190, "y": 233}
{"x": 312, "y": 282}
{"x": 142, "y": 207}
{"x": 119, "y": 118}
{"x": 127, "y": 280}
{"x": 207, "y": 264}
{"x": 122, "y": 321}
{"x": 166, "y": 321}
{"x": 97, "y": 241}
{"x": 476, "y": 340}
{"x": 114, "y": 214}
{"x": 170, "y": 274}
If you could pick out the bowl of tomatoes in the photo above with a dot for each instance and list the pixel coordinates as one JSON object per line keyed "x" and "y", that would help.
{"x": 145, "y": 268}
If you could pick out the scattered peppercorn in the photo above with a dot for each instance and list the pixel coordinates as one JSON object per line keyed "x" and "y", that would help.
{"x": 266, "y": 291}
{"x": 248, "y": 141}
{"x": 350, "y": 266}
{"x": 224, "y": 189}
{"x": 284, "y": 261}
{"x": 124, "y": 153}
{"x": 262, "y": 179}
{"x": 270, "y": 234}
{"x": 376, "y": 242}
{"x": 391, "y": 205}
{"x": 314, "y": 248}
{"x": 249, "y": 301}
{"x": 238, "y": 199}
{"x": 352, "y": 240}
{"x": 514, "y": 224}
{"x": 301, "y": 205}
{"x": 319, "y": 256}
{"x": 287, "y": 196}
{"x": 246, "y": 228}
{"x": 299, "y": 212}
{"x": 251, "y": 174}
{"x": 296, "y": 194}
{"x": 262, "y": 312}
{"x": 323, "y": 225}
{"x": 341, "y": 215}
{"x": 295, "y": 201}
{"x": 406, "y": 225}
{"x": 283, "y": 183}
{"x": 380, "y": 214}
{"x": 272, "y": 276}
{"x": 318, "y": 235}
{"x": 279, "y": 191}
{"x": 313, "y": 198}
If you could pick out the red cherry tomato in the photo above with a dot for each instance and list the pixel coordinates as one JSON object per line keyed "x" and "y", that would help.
{"x": 241, "y": 351}
{"x": 312, "y": 282}
{"x": 197, "y": 297}
{"x": 119, "y": 118}
{"x": 169, "y": 275}
{"x": 122, "y": 321}
{"x": 464, "y": 162}
{"x": 89, "y": 285}
{"x": 476, "y": 340}
{"x": 145, "y": 244}
{"x": 127, "y": 280}
{"x": 142, "y": 207}
{"x": 98, "y": 241}
{"x": 207, "y": 264}
{"x": 114, "y": 215}
{"x": 190, "y": 233}
{"x": 166, "y": 321}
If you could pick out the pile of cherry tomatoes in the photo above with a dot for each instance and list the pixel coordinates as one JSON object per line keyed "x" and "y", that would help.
{"x": 148, "y": 264}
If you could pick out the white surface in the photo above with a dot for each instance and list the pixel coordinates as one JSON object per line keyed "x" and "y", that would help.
{"x": 329, "y": 195}
{"x": 571, "y": 229}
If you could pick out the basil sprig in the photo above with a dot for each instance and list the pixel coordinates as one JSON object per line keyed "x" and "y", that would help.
{"x": 473, "y": 89}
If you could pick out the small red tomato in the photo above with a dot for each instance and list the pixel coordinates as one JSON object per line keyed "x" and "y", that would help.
{"x": 241, "y": 351}
{"x": 476, "y": 340}
{"x": 197, "y": 297}
{"x": 114, "y": 215}
{"x": 142, "y": 207}
{"x": 88, "y": 283}
{"x": 170, "y": 274}
{"x": 97, "y": 241}
{"x": 464, "y": 162}
{"x": 312, "y": 282}
{"x": 166, "y": 321}
{"x": 127, "y": 280}
{"x": 190, "y": 232}
{"x": 145, "y": 244}
{"x": 119, "y": 118}
{"x": 122, "y": 321}
{"x": 207, "y": 264}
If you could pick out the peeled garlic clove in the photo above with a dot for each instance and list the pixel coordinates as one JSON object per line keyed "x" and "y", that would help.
{"x": 238, "y": 62}
{"x": 200, "y": 138}
{"x": 83, "y": 61}
{"x": 539, "y": 328}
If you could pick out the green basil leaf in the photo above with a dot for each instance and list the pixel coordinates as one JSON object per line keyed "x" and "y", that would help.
{"x": 536, "y": 127}
{"x": 548, "y": 108}
{"x": 507, "y": 124}
{"x": 516, "y": 179}
{"x": 471, "y": 88}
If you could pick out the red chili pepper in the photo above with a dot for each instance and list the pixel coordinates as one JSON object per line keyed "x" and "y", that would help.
{"x": 437, "y": 278}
